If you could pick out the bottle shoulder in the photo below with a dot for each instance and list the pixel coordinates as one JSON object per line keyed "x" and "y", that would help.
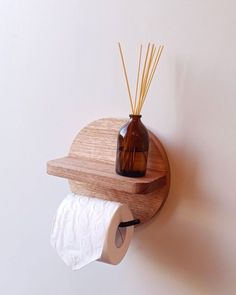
{"x": 134, "y": 130}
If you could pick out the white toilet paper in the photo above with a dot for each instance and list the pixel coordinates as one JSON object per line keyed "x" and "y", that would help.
{"x": 85, "y": 229}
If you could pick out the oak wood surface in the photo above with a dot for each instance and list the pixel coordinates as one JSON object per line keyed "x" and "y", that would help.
{"x": 104, "y": 175}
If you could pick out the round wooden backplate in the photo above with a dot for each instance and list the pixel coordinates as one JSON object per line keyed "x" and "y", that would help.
{"x": 97, "y": 141}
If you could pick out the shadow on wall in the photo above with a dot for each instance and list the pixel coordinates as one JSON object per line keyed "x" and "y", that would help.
{"x": 180, "y": 243}
{"x": 180, "y": 237}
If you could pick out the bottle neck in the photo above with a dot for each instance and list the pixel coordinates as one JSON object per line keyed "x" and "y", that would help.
{"x": 135, "y": 117}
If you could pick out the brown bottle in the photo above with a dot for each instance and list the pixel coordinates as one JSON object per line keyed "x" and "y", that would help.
{"x": 132, "y": 148}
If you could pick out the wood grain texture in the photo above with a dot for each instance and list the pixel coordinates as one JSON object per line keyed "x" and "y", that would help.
{"x": 103, "y": 174}
{"x": 90, "y": 169}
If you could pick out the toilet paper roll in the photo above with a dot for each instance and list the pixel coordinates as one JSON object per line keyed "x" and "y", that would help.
{"x": 86, "y": 229}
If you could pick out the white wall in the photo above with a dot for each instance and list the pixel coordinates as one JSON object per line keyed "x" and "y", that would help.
{"x": 59, "y": 70}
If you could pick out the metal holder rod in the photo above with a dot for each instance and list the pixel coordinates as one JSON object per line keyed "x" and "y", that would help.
{"x": 129, "y": 223}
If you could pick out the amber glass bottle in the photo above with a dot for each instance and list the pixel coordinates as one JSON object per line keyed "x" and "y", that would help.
{"x": 132, "y": 148}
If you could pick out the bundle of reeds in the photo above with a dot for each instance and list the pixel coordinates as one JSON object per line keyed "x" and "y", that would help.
{"x": 145, "y": 73}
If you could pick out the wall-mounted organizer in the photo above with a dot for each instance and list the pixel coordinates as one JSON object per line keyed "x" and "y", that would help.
{"x": 90, "y": 169}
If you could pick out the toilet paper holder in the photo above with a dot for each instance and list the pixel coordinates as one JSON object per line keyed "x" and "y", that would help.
{"x": 90, "y": 169}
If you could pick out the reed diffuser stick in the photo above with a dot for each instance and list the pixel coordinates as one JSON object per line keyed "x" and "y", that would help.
{"x": 153, "y": 70}
{"x": 126, "y": 78}
{"x": 144, "y": 68}
{"x": 137, "y": 82}
{"x": 146, "y": 77}
{"x": 148, "y": 70}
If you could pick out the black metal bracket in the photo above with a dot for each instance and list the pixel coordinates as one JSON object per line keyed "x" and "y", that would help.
{"x": 129, "y": 223}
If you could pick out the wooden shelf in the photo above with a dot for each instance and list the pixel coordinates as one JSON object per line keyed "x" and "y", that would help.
{"x": 90, "y": 170}
{"x": 103, "y": 174}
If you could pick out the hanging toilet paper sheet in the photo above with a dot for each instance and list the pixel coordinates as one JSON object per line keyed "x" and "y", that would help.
{"x": 86, "y": 229}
